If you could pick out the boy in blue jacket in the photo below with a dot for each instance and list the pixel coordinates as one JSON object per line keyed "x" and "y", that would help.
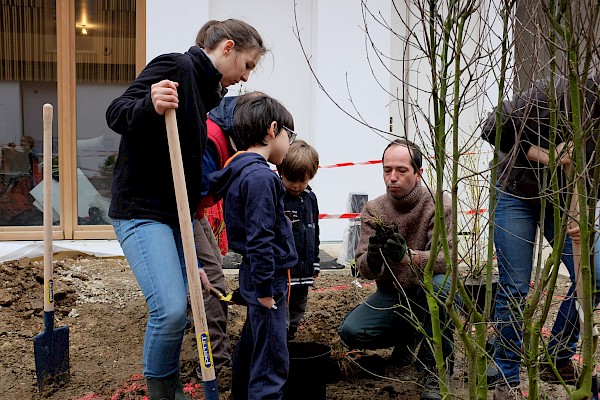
{"x": 297, "y": 169}
{"x": 258, "y": 229}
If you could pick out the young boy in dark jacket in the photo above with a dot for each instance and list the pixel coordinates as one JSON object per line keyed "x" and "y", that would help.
{"x": 258, "y": 229}
{"x": 297, "y": 169}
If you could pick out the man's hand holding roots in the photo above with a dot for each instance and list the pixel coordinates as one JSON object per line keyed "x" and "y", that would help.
{"x": 393, "y": 248}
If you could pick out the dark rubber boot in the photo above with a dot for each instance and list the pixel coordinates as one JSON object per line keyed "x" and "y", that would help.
{"x": 167, "y": 388}
{"x": 179, "y": 393}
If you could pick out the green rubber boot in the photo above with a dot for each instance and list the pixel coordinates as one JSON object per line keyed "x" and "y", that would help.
{"x": 179, "y": 393}
{"x": 167, "y": 388}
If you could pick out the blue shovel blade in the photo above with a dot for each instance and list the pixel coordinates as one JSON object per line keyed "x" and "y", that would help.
{"x": 51, "y": 352}
{"x": 210, "y": 390}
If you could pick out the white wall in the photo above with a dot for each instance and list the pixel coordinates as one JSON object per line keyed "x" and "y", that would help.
{"x": 331, "y": 35}
{"x": 171, "y": 26}
{"x": 282, "y": 72}
{"x": 342, "y": 68}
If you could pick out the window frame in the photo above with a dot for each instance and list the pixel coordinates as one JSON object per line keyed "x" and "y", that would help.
{"x": 67, "y": 133}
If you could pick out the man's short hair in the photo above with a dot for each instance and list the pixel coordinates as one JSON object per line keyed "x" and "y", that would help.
{"x": 416, "y": 156}
{"x": 252, "y": 117}
{"x": 300, "y": 163}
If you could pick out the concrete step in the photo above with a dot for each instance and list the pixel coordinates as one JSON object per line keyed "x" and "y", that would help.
{"x": 328, "y": 253}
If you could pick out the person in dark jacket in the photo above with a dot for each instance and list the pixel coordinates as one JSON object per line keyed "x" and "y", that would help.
{"x": 143, "y": 207}
{"x": 219, "y": 148}
{"x": 259, "y": 231}
{"x": 524, "y": 147}
{"x": 297, "y": 169}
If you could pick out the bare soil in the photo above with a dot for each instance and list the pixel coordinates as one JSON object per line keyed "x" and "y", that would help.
{"x": 99, "y": 300}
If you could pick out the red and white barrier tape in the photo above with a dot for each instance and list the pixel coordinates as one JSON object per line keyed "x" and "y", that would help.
{"x": 357, "y": 215}
{"x": 371, "y": 162}
{"x": 339, "y": 216}
{"x": 471, "y": 212}
{"x": 349, "y": 164}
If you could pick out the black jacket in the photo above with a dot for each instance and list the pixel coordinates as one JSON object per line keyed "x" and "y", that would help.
{"x": 256, "y": 224}
{"x": 526, "y": 123}
{"x": 303, "y": 211}
{"x": 142, "y": 184}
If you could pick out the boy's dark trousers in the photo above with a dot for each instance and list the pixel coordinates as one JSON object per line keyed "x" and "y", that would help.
{"x": 261, "y": 361}
{"x": 296, "y": 308}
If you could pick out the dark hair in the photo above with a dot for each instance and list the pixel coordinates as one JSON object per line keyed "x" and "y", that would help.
{"x": 416, "y": 157}
{"x": 241, "y": 99}
{"x": 244, "y": 36}
{"x": 252, "y": 117}
{"x": 300, "y": 163}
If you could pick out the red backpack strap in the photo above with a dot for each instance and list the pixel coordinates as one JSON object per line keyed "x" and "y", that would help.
{"x": 216, "y": 136}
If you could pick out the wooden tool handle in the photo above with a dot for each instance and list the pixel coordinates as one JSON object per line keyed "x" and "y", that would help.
{"x": 189, "y": 249}
{"x": 48, "y": 283}
{"x": 215, "y": 292}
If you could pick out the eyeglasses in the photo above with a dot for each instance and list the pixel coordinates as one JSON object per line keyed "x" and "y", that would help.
{"x": 291, "y": 134}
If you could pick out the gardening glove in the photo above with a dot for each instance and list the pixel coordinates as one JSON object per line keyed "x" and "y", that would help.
{"x": 394, "y": 248}
{"x": 374, "y": 258}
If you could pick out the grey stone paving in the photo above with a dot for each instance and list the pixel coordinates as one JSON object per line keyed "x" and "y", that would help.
{"x": 328, "y": 253}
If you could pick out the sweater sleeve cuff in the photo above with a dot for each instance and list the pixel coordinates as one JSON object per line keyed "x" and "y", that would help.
{"x": 423, "y": 258}
{"x": 264, "y": 290}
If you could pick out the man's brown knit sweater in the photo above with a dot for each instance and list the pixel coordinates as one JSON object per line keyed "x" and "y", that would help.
{"x": 414, "y": 217}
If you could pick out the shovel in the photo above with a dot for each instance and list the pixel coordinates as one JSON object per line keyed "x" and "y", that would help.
{"x": 191, "y": 261}
{"x": 51, "y": 347}
{"x": 234, "y": 297}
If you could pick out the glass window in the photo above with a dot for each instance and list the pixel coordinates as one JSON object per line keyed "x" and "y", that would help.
{"x": 27, "y": 81}
{"x": 105, "y": 57}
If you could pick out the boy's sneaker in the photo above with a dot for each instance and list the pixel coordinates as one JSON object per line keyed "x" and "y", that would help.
{"x": 430, "y": 384}
{"x": 568, "y": 373}
{"x": 508, "y": 392}
{"x": 492, "y": 375}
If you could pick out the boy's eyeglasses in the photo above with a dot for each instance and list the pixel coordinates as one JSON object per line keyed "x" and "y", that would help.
{"x": 291, "y": 134}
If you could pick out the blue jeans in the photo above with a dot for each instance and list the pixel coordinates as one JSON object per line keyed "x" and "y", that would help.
{"x": 514, "y": 238}
{"x": 383, "y": 320}
{"x": 155, "y": 254}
